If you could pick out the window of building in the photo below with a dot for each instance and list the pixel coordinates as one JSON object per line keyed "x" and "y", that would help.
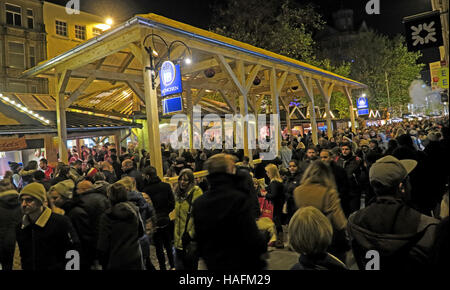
{"x": 80, "y": 32}
{"x": 30, "y": 18}
{"x": 16, "y": 54}
{"x": 32, "y": 56}
{"x": 96, "y": 31}
{"x": 13, "y": 15}
{"x": 61, "y": 28}
{"x": 33, "y": 89}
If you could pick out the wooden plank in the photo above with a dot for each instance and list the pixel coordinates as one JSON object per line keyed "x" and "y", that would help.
{"x": 251, "y": 77}
{"x": 100, "y": 50}
{"x": 136, "y": 89}
{"x": 227, "y": 100}
{"x": 136, "y": 51}
{"x": 226, "y": 68}
{"x": 83, "y": 86}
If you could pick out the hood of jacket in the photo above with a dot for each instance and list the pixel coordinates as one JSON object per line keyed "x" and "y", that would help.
{"x": 123, "y": 211}
{"x": 9, "y": 198}
{"x": 394, "y": 228}
{"x": 217, "y": 179}
{"x": 101, "y": 186}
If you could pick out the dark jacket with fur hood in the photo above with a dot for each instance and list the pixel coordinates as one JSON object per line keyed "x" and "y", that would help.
{"x": 118, "y": 242}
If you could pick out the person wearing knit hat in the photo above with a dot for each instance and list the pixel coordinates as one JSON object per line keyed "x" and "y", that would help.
{"x": 44, "y": 238}
{"x": 61, "y": 191}
{"x": 36, "y": 191}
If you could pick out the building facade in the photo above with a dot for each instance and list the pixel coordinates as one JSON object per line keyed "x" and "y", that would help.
{"x": 22, "y": 44}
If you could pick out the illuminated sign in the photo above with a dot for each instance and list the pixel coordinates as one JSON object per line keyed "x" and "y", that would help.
{"x": 170, "y": 79}
{"x": 363, "y": 106}
{"x": 172, "y": 105}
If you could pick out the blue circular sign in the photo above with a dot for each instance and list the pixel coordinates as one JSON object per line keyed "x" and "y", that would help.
{"x": 168, "y": 73}
{"x": 362, "y": 103}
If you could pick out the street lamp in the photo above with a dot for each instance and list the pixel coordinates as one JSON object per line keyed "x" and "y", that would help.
{"x": 150, "y": 48}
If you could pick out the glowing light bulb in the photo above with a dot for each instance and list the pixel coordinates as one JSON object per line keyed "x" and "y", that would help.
{"x": 109, "y": 21}
{"x": 188, "y": 61}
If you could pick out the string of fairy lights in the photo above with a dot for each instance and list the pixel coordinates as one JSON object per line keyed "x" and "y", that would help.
{"x": 24, "y": 109}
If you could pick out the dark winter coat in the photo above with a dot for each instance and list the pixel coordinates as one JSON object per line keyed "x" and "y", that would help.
{"x": 95, "y": 204}
{"x": 245, "y": 184}
{"x": 44, "y": 244}
{"x": 10, "y": 217}
{"x": 162, "y": 198}
{"x": 225, "y": 229}
{"x": 402, "y": 236}
{"x": 145, "y": 209}
{"x": 275, "y": 193}
{"x": 118, "y": 243}
{"x": 352, "y": 166}
{"x": 323, "y": 261}
{"x": 85, "y": 231}
{"x": 291, "y": 183}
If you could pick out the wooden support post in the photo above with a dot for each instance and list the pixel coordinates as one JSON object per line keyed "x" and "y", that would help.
{"x": 308, "y": 89}
{"x": 50, "y": 150}
{"x": 190, "y": 110}
{"x": 151, "y": 110}
{"x": 352, "y": 112}
{"x": 61, "y": 85}
{"x": 326, "y": 91}
{"x": 276, "y": 84}
{"x": 288, "y": 115}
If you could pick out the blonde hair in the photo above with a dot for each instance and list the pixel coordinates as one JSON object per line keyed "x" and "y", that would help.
{"x": 310, "y": 232}
{"x": 319, "y": 173}
{"x": 273, "y": 171}
{"x": 128, "y": 182}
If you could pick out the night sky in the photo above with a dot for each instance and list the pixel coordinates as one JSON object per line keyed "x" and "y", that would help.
{"x": 197, "y": 12}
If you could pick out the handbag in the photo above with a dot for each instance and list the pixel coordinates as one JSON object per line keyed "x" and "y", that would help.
{"x": 266, "y": 208}
{"x": 188, "y": 243}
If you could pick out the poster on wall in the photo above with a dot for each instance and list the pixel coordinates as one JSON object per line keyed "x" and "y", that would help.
{"x": 13, "y": 144}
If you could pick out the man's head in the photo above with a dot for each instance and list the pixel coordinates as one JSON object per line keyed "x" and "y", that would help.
{"x": 43, "y": 163}
{"x": 77, "y": 164}
{"x": 284, "y": 143}
{"x": 61, "y": 192}
{"x": 127, "y": 164}
{"x": 387, "y": 173}
{"x": 346, "y": 149}
{"x": 364, "y": 144}
{"x": 84, "y": 186}
{"x": 39, "y": 176}
{"x": 311, "y": 153}
{"x": 32, "y": 198}
{"x": 221, "y": 163}
{"x": 325, "y": 156}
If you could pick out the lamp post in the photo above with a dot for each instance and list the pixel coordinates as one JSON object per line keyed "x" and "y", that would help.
{"x": 387, "y": 89}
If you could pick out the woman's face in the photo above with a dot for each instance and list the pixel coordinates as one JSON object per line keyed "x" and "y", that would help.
{"x": 268, "y": 174}
{"x": 184, "y": 182}
{"x": 292, "y": 167}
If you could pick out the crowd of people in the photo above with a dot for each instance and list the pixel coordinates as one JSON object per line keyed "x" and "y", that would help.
{"x": 379, "y": 188}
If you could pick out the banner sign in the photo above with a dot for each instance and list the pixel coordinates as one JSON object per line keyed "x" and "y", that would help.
{"x": 435, "y": 68}
{"x": 443, "y": 78}
{"x": 172, "y": 105}
{"x": 170, "y": 79}
{"x": 12, "y": 144}
{"x": 363, "y": 106}
{"x": 424, "y": 31}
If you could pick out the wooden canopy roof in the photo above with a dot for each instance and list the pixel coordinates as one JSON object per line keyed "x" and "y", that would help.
{"x": 105, "y": 73}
